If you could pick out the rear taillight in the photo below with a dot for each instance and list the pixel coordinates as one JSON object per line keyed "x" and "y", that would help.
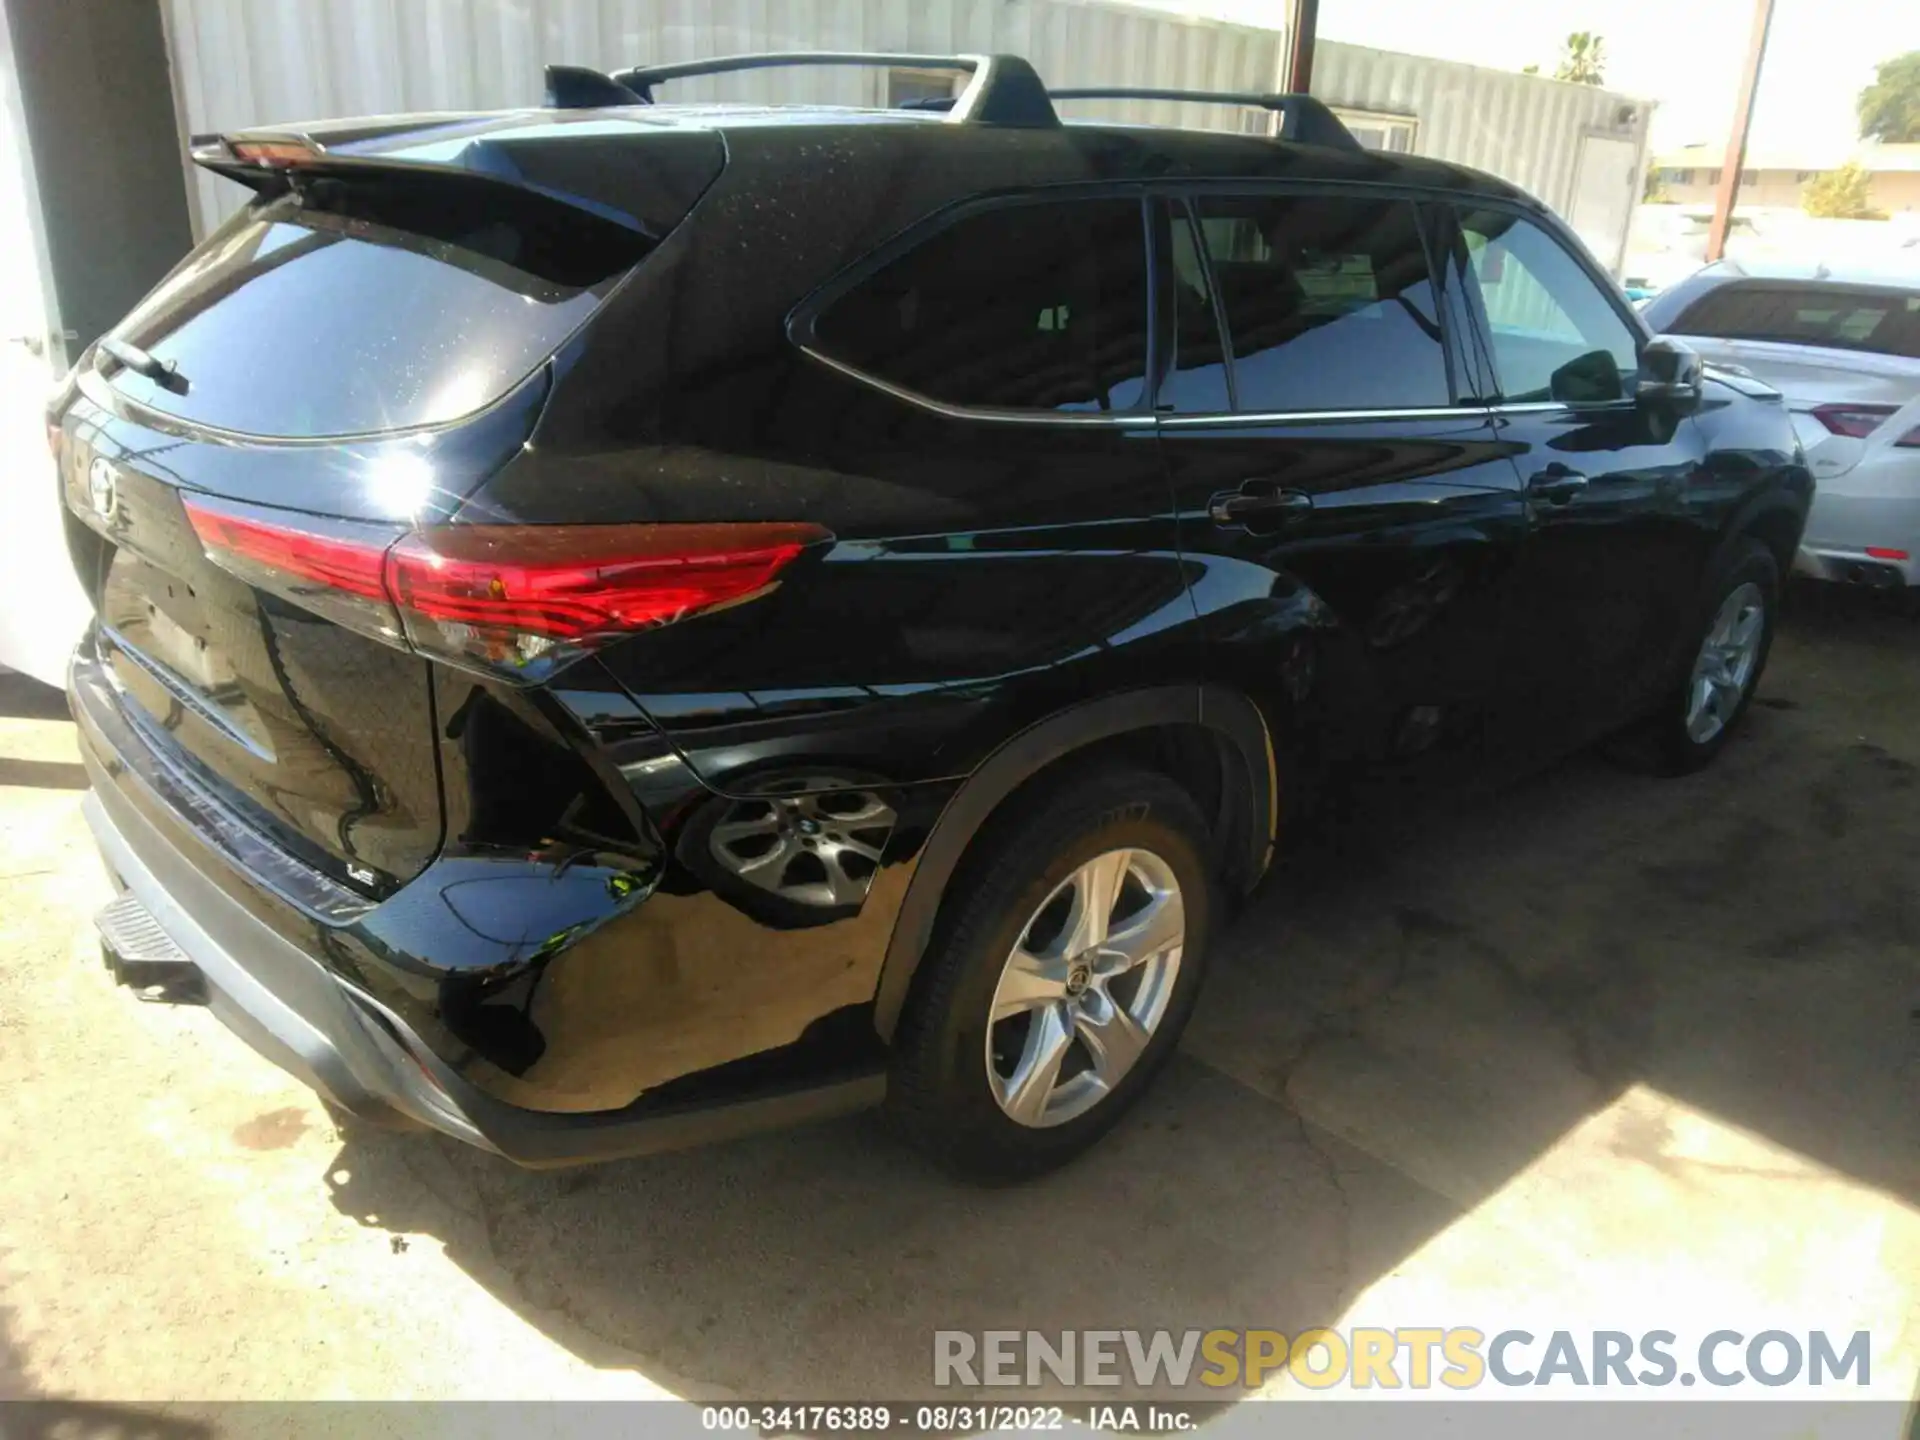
{"x": 335, "y": 568}
{"x": 515, "y": 599}
{"x": 1855, "y": 421}
{"x": 512, "y": 596}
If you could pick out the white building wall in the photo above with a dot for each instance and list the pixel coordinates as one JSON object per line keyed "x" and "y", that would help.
{"x": 250, "y": 62}
{"x": 1523, "y": 128}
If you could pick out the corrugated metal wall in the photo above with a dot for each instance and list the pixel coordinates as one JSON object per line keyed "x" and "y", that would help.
{"x": 1522, "y": 128}
{"x": 246, "y": 62}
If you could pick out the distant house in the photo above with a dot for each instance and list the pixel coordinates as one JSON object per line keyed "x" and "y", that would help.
{"x": 1689, "y": 176}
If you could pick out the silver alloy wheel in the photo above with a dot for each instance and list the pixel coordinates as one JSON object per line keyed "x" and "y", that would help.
{"x": 1087, "y": 984}
{"x": 1725, "y": 667}
{"x": 817, "y": 847}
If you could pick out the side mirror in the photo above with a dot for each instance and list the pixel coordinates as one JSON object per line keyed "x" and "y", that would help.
{"x": 1589, "y": 379}
{"x": 1670, "y": 376}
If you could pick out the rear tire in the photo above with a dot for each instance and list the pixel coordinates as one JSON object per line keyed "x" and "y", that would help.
{"x": 1732, "y": 637}
{"x": 1089, "y": 1006}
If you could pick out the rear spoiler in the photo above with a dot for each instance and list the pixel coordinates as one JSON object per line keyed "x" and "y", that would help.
{"x": 650, "y": 199}
{"x": 257, "y": 160}
{"x": 267, "y": 160}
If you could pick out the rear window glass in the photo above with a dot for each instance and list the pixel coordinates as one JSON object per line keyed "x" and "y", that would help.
{"x": 1886, "y": 322}
{"x": 373, "y": 305}
{"x": 1037, "y": 306}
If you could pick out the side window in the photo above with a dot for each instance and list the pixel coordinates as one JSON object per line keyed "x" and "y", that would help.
{"x": 1329, "y": 302}
{"x": 1554, "y": 334}
{"x": 1038, "y": 306}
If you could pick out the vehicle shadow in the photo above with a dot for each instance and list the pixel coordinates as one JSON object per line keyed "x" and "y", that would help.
{"x": 26, "y": 1414}
{"x": 1456, "y": 989}
{"x": 1450, "y": 991}
{"x": 24, "y": 698}
{"x": 818, "y": 1264}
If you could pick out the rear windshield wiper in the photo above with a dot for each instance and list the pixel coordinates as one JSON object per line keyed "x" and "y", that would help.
{"x": 131, "y": 357}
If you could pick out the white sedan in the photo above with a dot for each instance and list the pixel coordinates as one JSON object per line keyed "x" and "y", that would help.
{"x": 1845, "y": 351}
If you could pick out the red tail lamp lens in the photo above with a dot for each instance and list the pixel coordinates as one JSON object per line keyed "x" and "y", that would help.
{"x": 1854, "y": 421}
{"x": 306, "y": 557}
{"x": 520, "y": 598}
{"x": 513, "y": 595}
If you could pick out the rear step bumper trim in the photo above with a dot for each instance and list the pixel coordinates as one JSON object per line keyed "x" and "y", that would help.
{"x": 281, "y": 1002}
{"x": 143, "y": 957}
{"x": 288, "y": 1006}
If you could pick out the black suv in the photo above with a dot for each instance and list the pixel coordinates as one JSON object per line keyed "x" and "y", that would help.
{"x": 621, "y": 623}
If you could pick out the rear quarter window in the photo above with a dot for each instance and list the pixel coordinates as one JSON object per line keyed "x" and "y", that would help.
{"x": 1882, "y": 321}
{"x": 371, "y": 305}
{"x": 1031, "y": 306}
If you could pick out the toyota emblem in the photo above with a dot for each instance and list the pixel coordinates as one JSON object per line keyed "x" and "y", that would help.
{"x": 100, "y": 489}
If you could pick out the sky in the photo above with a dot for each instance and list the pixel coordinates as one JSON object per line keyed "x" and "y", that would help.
{"x": 1685, "y": 54}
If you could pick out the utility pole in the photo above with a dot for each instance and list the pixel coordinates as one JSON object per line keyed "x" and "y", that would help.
{"x": 1306, "y": 20}
{"x": 1736, "y": 158}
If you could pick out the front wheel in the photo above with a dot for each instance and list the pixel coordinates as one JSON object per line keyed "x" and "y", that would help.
{"x": 1734, "y": 637}
{"x": 1060, "y": 977}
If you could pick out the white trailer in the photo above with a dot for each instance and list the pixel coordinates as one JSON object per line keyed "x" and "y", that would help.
{"x": 242, "y": 62}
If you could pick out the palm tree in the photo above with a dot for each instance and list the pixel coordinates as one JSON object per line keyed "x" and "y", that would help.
{"x": 1584, "y": 59}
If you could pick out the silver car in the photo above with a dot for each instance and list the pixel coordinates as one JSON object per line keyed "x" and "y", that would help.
{"x": 1844, "y": 348}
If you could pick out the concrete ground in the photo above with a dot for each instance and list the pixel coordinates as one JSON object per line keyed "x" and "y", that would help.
{"x": 1601, "y": 1051}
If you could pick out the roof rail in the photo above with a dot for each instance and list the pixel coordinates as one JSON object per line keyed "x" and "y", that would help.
{"x": 1002, "y": 90}
{"x": 1303, "y": 119}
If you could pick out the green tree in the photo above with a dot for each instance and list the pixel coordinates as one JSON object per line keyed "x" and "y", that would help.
{"x": 1890, "y": 106}
{"x": 1583, "y": 60}
{"x": 1842, "y": 194}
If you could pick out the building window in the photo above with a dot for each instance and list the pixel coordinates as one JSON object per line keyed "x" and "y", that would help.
{"x": 1394, "y": 134}
{"x": 1678, "y": 177}
{"x": 1801, "y": 177}
{"x": 1749, "y": 177}
{"x": 907, "y": 87}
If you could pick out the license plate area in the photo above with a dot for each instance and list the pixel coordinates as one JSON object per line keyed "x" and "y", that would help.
{"x": 167, "y": 652}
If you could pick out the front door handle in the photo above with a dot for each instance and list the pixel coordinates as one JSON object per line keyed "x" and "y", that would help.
{"x": 1257, "y": 501}
{"x": 1557, "y": 484}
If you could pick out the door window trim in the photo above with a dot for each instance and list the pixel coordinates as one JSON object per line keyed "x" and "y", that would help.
{"x": 800, "y": 320}
{"x": 1169, "y": 208}
{"x": 1229, "y": 419}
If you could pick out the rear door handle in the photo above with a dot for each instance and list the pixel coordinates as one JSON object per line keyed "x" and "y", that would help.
{"x": 1557, "y": 484}
{"x": 1258, "y": 500}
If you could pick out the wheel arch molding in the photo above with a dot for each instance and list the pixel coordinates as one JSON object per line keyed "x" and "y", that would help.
{"x": 1245, "y": 807}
